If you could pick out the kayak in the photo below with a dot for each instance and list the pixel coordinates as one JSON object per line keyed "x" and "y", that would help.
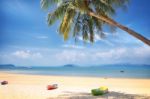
{"x": 99, "y": 91}
{"x": 51, "y": 87}
{"x": 4, "y": 82}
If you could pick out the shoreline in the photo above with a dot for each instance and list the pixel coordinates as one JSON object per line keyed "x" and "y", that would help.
{"x": 22, "y": 86}
{"x": 7, "y": 72}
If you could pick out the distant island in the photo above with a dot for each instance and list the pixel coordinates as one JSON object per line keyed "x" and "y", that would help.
{"x": 11, "y": 66}
{"x": 7, "y": 66}
{"x": 70, "y": 65}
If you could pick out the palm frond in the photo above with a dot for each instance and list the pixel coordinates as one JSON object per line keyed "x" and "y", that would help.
{"x": 45, "y": 4}
{"x": 57, "y": 14}
{"x": 66, "y": 23}
{"x": 91, "y": 29}
{"x": 102, "y": 7}
{"x": 77, "y": 26}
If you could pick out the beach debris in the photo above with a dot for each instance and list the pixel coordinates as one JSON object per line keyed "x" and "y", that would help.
{"x": 51, "y": 87}
{"x": 105, "y": 77}
{"x": 4, "y": 82}
{"x": 99, "y": 91}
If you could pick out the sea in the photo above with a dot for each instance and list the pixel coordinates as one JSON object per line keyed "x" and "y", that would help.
{"x": 105, "y": 71}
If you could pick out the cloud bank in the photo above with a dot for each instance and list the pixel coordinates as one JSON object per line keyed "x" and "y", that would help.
{"x": 52, "y": 57}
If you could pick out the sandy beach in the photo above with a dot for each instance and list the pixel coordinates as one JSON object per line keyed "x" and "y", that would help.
{"x": 34, "y": 87}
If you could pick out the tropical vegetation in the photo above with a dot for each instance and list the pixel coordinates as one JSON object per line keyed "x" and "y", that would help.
{"x": 87, "y": 17}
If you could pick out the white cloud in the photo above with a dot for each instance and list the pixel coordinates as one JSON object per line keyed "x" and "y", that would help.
{"x": 123, "y": 38}
{"x": 42, "y": 37}
{"x": 70, "y": 56}
{"x": 22, "y": 54}
{"x": 118, "y": 38}
{"x": 26, "y": 54}
{"x": 97, "y": 38}
{"x": 73, "y": 46}
{"x": 139, "y": 55}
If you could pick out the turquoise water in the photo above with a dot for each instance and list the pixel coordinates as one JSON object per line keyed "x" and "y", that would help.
{"x": 93, "y": 71}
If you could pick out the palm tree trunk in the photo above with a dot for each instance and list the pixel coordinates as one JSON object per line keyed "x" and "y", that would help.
{"x": 114, "y": 23}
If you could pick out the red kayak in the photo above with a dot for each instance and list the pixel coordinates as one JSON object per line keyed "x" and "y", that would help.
{"x": 4, "y": 82}
{"x": 51, "y": 87}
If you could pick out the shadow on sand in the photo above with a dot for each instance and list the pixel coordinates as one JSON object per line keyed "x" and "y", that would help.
{"x": 110, "y": 95}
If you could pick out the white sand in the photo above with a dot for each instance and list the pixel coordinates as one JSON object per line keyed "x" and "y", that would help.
{"x": 34, "y": 87}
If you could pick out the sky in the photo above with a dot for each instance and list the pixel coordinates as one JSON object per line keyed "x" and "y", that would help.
{"x": 27, "y": 40}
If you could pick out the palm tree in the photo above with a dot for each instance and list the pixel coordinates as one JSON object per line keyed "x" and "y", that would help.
{"x": 84, "y": 17}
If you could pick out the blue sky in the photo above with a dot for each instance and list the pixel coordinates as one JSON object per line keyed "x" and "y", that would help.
{"x": 26, "y": 39}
